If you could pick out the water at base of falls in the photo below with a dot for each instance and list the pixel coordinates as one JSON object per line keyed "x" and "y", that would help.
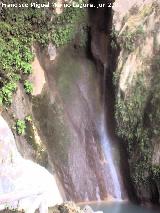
{"x": 113, "y": 181}
{"x": 118, "y": 207}
{"x": 23, "y": 183}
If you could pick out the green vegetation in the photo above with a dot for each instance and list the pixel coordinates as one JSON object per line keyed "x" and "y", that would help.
{"x": 134, "y": 33}
{"x": 20, "y": 127}
{"x": 20, "y": 28}
{"x": 130, "y": 126}
{"x": 128, "y": 39}
{"x": 28, "y": 87}
{"x": 6, "y": 93}
{"x": 67, "y": 25}
{"x": 137, "y": 109}
{"x": 156, "y": 172}
{"x": 138, "y": 119}
{"x": 25, "y": 127}
{"x": 15, "y": 59}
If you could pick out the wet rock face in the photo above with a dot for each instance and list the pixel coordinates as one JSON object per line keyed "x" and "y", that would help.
{"x": 136, "y": 80}
{"x": 30, "y": 145}
{"x": 70, "y": 105}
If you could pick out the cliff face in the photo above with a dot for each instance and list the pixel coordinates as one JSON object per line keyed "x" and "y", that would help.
{"x": 56, "y": 108}
{"x": 54, "y": 111}
{"x": 64, "y": 132}
{"x": 136, "y": 37}
{"x": 66, "y": 113}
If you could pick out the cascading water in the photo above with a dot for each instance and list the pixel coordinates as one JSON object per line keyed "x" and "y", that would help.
{"x": 23, "y": 183}
{"x": 105, "y": 141}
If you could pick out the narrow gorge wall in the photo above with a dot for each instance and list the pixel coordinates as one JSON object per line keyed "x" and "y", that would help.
{"x": 64, "y": 134}
{"x": 136, "y": 79}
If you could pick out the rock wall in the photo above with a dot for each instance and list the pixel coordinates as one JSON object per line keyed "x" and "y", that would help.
{"x": 63, "y": 134}
{"x": 70, "y": 106}
{"x": 136, "y": 37}
{"x": 61, "y": 117}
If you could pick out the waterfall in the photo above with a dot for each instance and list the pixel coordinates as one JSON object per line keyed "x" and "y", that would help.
{"x": 105, "y": 141}
{"x": 23, "y": 183}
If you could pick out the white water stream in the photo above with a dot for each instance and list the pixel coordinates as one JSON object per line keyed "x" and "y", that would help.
{"x": 105, "y": 141}
{"x": 23, "y": 183}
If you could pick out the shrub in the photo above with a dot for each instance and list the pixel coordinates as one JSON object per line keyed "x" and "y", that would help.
{"x": 128, "y": 39}
{"x": 6, "y": 93}
{"x": 67, "y": 25}
{"x": 20, "y": 127}
{"x": 28, "y": 87}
